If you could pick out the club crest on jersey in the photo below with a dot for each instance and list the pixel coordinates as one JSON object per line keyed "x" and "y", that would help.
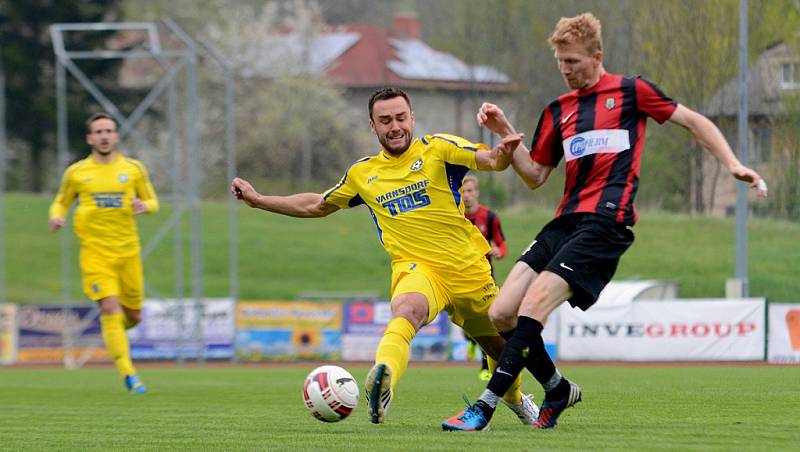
{"x": 416, "y": 166}
{"x": 123, "y": 177}
{"x": 610, "y": 103}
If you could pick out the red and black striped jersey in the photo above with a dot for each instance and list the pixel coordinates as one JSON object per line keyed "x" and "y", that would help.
{"x": 600, "y": 133}
{"x": 489, "y": 224}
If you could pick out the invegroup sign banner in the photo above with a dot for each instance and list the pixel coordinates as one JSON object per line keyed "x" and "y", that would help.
{"x": 686, "y": 330}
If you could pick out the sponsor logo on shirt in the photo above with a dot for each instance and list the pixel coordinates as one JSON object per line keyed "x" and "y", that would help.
{"x": 108, "y": 199}
{"x": 405, "y": 199}
{"x": 601, "y": 141}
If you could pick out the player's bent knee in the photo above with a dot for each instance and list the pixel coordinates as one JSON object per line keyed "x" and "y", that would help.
{"x": 412, "y": 308}
{"x": 109, "y": 306}
{"x": 502, "y": 319}
{"x": 134, "y": 317}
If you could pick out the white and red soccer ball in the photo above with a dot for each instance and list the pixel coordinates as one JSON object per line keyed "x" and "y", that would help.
{"x": 330, "y": 393}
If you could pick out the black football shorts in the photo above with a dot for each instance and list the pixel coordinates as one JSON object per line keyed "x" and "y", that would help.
{"x": 584, "y": 249}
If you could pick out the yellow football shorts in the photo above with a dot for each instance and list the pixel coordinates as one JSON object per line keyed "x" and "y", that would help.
{"x": 105, "y": 276}
{"x": 465, "y": 295}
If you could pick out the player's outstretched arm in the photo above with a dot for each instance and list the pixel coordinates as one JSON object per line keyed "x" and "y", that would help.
{"x": 710, "y": 137}
{"x": 301, "y": 205}
{"x": 500, "y": 156}
{"x": 531, "y": 172}
{"x": 57, "y": 213}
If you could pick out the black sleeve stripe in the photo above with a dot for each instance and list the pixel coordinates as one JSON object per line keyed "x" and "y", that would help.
{"x": 357, "y": 200}
{"x": 556, "y": 113}
{"x": 490, "y": 219}
{"x": 657, "y": 90}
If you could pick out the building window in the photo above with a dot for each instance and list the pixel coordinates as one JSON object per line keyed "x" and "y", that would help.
{"x": 790, "y": 75}
{"x": 760, "y": 144}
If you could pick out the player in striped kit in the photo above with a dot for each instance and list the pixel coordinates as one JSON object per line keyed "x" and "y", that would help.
{"x": 598, "y": 129}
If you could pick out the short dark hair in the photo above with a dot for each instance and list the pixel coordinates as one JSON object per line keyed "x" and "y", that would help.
{"x": 387, "y": 93}
{"x": 95, "y": 117}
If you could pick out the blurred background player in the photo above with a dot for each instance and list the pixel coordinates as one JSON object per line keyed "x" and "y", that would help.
{"x": 111, "y": 189}
{"x": 598, "y": 127}
{"x": 487, "y": 221}
{"x": 412, "y": 189}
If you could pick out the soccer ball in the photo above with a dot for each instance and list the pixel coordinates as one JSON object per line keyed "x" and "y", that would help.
{"x": 330, "y": 393}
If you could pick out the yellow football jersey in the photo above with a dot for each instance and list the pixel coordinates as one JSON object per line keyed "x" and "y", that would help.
{"x": 104, "y": 219}
{"x": 415, "y": 201}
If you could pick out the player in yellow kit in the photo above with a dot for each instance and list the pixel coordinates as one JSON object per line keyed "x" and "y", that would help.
{"x": 412, "y": 190}
{"x": 111, "y": 189}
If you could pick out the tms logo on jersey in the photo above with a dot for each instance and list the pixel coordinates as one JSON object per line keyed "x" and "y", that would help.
{"x": 108, "y": 199}
{"x": 405, "y": 199}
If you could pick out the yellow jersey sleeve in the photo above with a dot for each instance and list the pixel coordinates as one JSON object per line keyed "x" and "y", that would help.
{"x": 455, "y": 150}
{"x": 65, "y": 196}
{"x": 144, "y": 188}
{"x": 345, "y": 193}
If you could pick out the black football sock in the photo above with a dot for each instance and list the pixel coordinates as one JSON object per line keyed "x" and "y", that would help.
{"x": 507, "y": 335}
{"x": 510, "y": 364}
{"x": 539, "y": 363}
{"x": 561, "y": 391}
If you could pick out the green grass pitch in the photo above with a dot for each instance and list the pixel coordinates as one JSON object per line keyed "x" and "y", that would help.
{"x": 726, "y": 407}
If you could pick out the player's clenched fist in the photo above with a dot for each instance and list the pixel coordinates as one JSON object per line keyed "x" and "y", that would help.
{"x": 493, "y": 118}
{"x": 244, "y": 190}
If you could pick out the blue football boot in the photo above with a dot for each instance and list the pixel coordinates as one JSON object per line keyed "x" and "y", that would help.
{"x": 134, "y": 385}
{"x": 469, "y": 420}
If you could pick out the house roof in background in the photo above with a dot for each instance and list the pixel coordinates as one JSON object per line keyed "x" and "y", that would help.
{"x": 764, "y": 90}
{"x": 352, "y": 56}
{"x": 415, "y": 60}
{"x": 286, "y": 54}
{"x": 367, "y": 56}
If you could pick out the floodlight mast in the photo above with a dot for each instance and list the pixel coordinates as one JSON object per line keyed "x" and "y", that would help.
{"x": 743, "y": 289}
